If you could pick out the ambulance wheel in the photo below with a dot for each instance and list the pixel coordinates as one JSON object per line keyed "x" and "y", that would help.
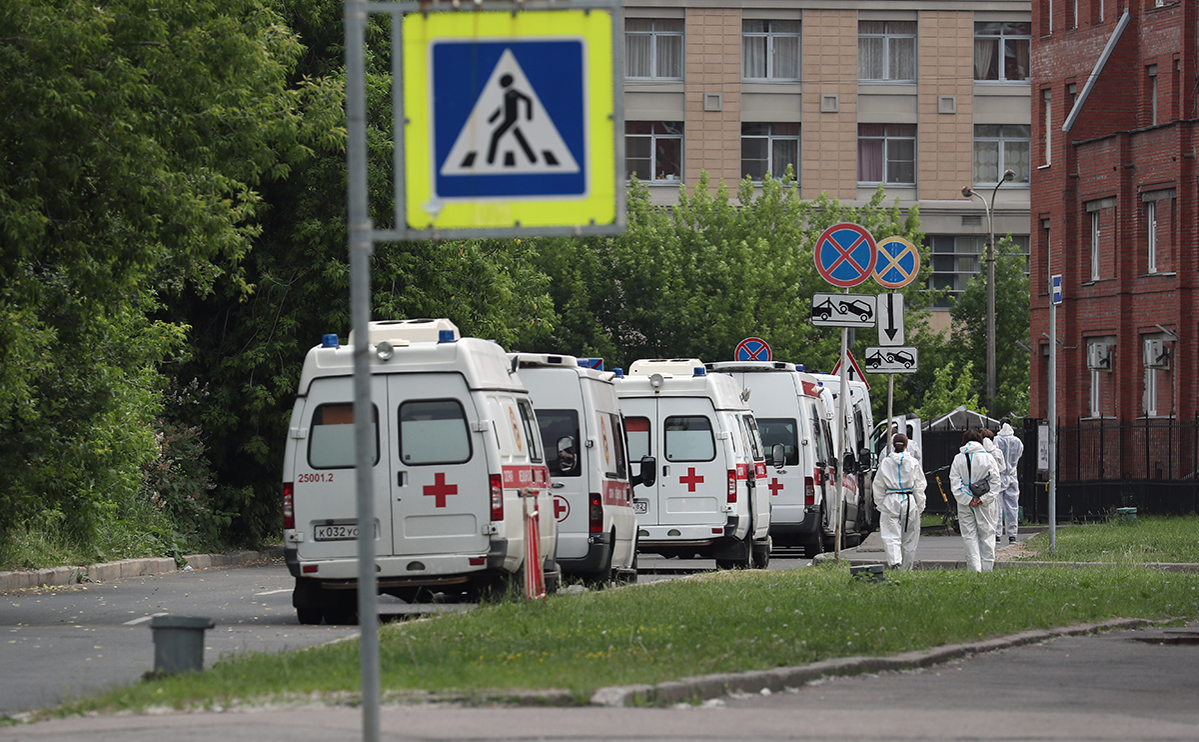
{"x": 341, "y": 608}
{"x": 551, "y": 574}
{"x": 761, "y": 554}
{"x": 306, "y": 599}
{"x": 309, "y": 616}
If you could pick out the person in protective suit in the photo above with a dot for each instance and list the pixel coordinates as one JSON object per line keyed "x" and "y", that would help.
{"x": 1009, "y": 496}
{"x": 976, "y": 511}
{"x": 899, "y": 488}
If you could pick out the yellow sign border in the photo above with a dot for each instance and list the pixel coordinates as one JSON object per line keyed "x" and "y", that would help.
{"x": 597, "y": 206}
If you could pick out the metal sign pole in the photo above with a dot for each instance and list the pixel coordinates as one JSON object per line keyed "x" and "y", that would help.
{"x": 841, "y": 407}
{"x": 361, "y": 246}
{"x": 1052, "y": 421}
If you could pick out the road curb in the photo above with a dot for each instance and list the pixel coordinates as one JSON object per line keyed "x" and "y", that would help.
{"x": 693, "y": 690}
{"x": 106, "y": 571}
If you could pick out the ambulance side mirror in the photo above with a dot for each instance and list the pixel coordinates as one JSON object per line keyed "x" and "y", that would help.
{"x": 648, "y": 474}
{"x": 778, "y": 456}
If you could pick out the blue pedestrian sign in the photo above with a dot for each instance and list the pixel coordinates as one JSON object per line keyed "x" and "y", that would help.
{"x": 845, "y": 254}
{"x": 510, "y": 120}
{"x": 898, "y": 263}
{"x": 753, "y": 349}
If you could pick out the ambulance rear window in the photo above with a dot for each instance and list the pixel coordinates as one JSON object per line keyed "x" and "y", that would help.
{"x": 689, "y": 438}
{"x": 433, "y": 431}
{"x": 784, "y": 430}
{"x": 331, "y": 436}
{"x": 638, "y": 431}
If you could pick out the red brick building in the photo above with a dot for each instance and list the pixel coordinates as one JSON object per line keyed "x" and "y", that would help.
{"x": 1115, "y": 91}
{"x": 1113, "y": 207}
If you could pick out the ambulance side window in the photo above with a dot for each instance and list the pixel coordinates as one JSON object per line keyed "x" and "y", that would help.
{"x": 331, "y": 436}
{"x": 531, "y": 432}
{"x": 555, "y": 426}
{"x": 638, "y": 433}
{"x": 784, "y": 430}
{"x": 689, "y": 438}
{"x": 433, "y": 431}
{"x": 612, "y": 425}
{"x": 818, "y": 430}
{"x": 755, "y": 437}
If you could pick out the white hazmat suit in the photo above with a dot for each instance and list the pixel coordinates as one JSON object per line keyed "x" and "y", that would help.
{"x": 1009, "y": 497}
{"x": 899, "y": 486}
{"x": 974, "y": 463}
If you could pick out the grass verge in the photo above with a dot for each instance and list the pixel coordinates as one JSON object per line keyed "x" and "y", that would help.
{"x": 1140, "y": 541}
{"x": 719, "y": 622}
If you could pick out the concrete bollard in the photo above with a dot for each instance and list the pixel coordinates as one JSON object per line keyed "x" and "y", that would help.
{"x": 179, "y": 643}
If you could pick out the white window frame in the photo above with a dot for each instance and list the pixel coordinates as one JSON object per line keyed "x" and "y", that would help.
{"x": 771, "y": 37}
{"x": 1096, "y": 396}
{"x": 654, "y": 35}
{"x": 654, "y": 136}
{"x": 887, "y": 138}
{"x": 1150, "y": 402}
{"x": 888, "y": 37}
{"x": 1004, "y": 37}
{"x": 1095, "y": 244}
{"x": 1151, "y": 71}
{"x": 1002, "y": 140}
{"x": 1151, "y": 235}
{"x": 771, "y": 138}
{"x": 1047, "y": 129}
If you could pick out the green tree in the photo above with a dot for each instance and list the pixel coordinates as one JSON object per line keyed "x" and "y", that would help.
{"x": 948, "y": 391}
{"x": 969, "y": 331}
{"x": 132, "y": 139}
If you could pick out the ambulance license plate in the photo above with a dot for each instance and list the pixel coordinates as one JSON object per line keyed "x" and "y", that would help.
{"x": 335, "y": 532}
{"x": 640, "y": 507}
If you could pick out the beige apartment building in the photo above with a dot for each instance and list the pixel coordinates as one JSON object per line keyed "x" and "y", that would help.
{"x": 923, "y": 97}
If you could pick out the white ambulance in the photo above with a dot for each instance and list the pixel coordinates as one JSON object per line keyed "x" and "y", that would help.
{"x": 587, "y": 456}
{"x": 702, "y": 434}
{"x": 790, "y": 411}
{"x": 859, "y": 460}
{"x": 459, "y": 475}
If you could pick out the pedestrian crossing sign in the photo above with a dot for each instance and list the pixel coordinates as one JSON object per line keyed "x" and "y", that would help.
{"x": 510, "y": 120}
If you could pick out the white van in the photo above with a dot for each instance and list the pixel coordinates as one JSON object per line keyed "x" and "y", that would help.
{"x": 586, "y": 452}
{"x": 790, "y": 411}
{"x": 458, "y": 465}
{"x": 859, "y": 459}
{"x": 702, "y": 433}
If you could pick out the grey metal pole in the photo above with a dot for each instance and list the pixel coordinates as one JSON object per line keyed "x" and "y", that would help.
{"x": 842, "y": 406}
{"x": 361, "y": 245}
{"x": 1052, "y": 420}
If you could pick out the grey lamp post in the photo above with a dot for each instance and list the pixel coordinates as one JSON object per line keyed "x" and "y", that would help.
{"x": 968, "y": 192}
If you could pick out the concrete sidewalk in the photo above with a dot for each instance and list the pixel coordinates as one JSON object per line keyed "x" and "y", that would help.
{"x": 105, "y": 571}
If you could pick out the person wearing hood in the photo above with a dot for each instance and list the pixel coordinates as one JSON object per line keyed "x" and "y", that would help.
{"x": 1009, "y": 495}
{"x": 898, "y": 487}
{"x": 974, "y": 480}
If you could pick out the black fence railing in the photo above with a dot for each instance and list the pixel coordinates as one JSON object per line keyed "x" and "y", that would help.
{"x": 1150, "y": 464}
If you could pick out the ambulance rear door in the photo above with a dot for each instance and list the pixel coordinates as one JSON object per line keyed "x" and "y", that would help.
{"x": 325, "y": 494}
{"x": 681, "y": 434}
{"x": 440, "y": 492}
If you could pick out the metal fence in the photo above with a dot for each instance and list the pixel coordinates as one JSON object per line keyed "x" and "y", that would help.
{"x": 1150, "y": 464}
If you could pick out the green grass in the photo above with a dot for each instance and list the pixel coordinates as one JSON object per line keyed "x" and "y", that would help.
{"x": 1146, "y": 539}
{"x": 721, "y": 622}
{"x": 716, "y": 622}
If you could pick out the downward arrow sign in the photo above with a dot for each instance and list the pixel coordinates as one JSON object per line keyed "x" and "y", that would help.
{"x": 891, "y": 321}
{"x": 891, "y": 329}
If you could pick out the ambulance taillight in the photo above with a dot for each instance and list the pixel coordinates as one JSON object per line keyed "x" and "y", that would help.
{"x": 732, "y": 486}
{"x": 809, "y": 491}
{"x": 289, "y": 506}
{"x": 497, "y": 497}
{"x": 595, "y": 514}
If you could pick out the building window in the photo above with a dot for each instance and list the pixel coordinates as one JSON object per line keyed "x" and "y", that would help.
{"x": 654, "y": 150}
{"x": 770, "y": 50}
{"x": 1151, "y": 233}
{"x": 769, "y": 148}
{"x": 887, "y": 50}
{"x": 1096, "y": 393}
{"x": 1101, "y": 214}
{"x": 1047, "y": 127}
{"x": 1150, "y": 401}
{"x": 1073, "y": 13}
{"x": 957, "y": 258}
{"x": 1094, "y": 245}
{"x": 1151, "y": 71}
{"x": 998, "y": 148}
{"x": 887, "y": 153}
{"x": 1001, "y": 50}
{"x": 653, "y": 48}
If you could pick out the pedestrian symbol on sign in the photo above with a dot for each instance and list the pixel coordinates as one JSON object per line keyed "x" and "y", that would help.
{"x": 508, "y": 115}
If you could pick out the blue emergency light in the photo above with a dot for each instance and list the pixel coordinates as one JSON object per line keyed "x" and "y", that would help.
{"x": 445, "y": 336}
{"x": 699, "y": 371}
{"x": 330, "y": 341}
{"x": 618, "y": 372}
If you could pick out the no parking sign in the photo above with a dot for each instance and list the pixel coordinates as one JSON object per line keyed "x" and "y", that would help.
{"x": 753, "y": 349}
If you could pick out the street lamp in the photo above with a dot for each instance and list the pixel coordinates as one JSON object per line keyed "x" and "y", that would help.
{"x": 968, "y": 192}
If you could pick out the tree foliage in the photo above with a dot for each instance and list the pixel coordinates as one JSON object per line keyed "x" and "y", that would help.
{"x": 969, "y": 332}
{"x": 132, "y": 139}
